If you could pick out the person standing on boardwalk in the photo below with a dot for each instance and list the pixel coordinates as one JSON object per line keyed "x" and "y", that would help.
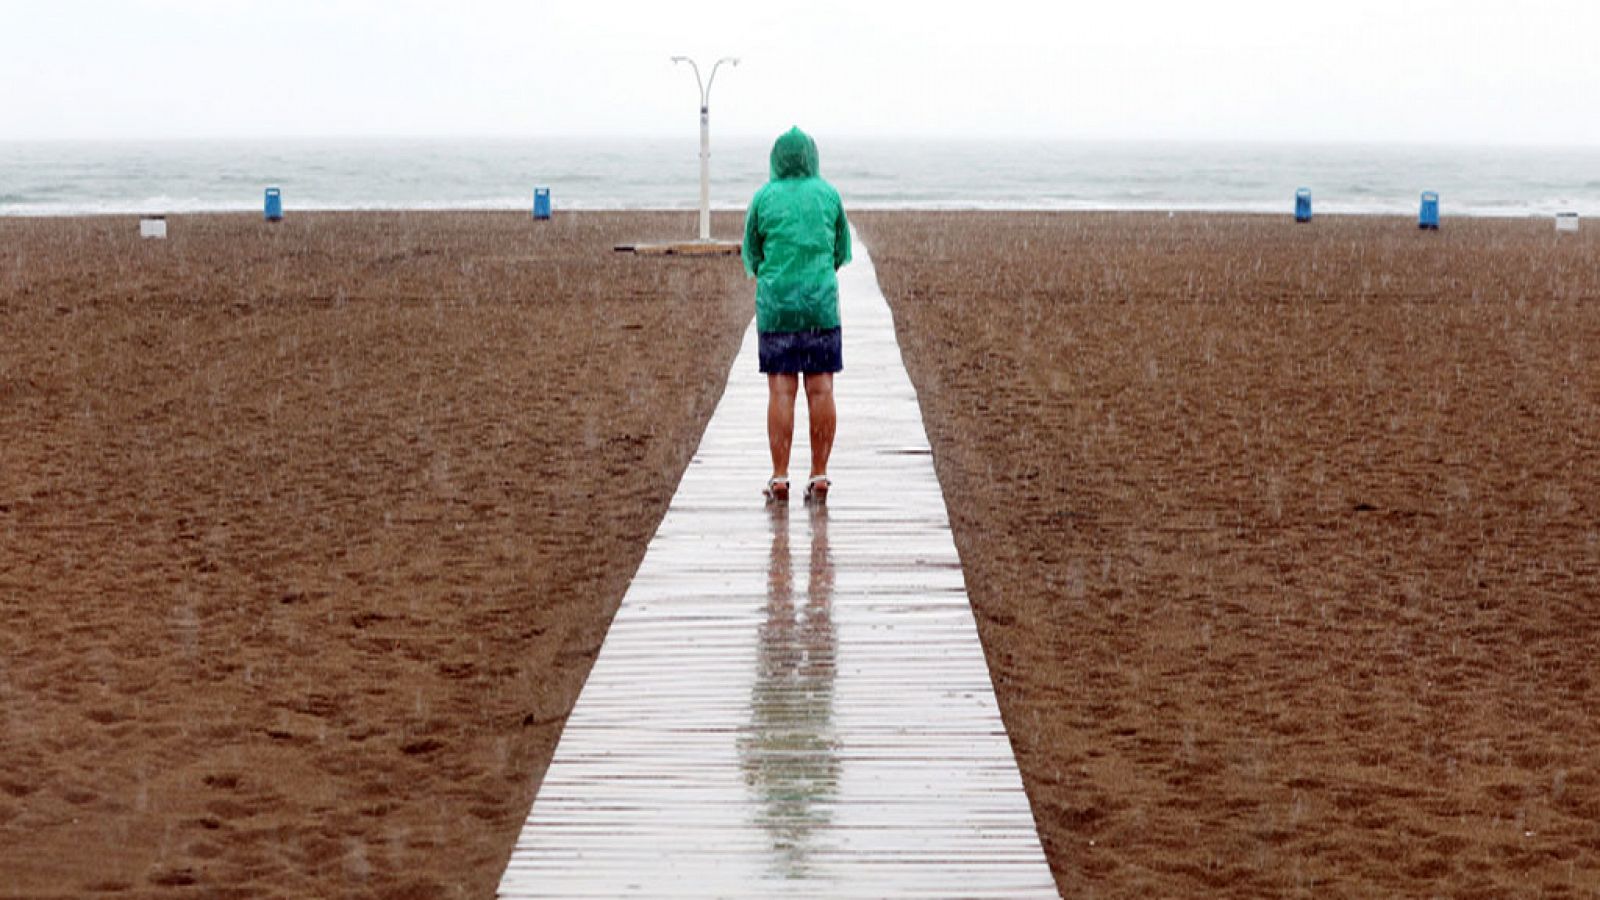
{"x": 796, "y": 238}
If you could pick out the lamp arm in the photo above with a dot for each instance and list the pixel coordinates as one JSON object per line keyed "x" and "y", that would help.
{"x": 725, "y": 59}
{"x": 704, "y": 88}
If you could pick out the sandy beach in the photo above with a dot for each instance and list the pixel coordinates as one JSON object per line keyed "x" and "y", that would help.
{"x": 1282, "y": 540}
{"x": 309, "y": 534}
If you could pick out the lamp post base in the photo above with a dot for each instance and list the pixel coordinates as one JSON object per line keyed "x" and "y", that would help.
{"x": 683, "y": 248}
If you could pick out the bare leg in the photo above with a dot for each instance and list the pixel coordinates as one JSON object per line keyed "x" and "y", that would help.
{"x": 824, "y": 419}
{"x": 781, "y": 391}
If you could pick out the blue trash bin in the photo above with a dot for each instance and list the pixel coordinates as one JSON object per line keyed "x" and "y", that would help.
{"x": 1429, "y": 218}
{"x": 541, "y": 203}
{"x": 274, "y": 211}
{"x": 1302, "y": 205}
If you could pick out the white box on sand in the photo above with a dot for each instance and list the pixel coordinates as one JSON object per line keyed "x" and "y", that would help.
{"x": 153, "y": 227}
{"x": 1567, "y": 222}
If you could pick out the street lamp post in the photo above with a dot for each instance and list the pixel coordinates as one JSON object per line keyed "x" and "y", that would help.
{"x": 705, "y": 138}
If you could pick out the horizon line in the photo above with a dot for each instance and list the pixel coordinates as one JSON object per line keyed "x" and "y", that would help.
{"x": 746, "y": 136}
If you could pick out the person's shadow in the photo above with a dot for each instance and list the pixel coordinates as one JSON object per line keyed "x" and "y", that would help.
{"x": 789, "y": 755}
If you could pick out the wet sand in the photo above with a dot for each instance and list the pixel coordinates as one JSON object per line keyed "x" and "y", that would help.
{"x": 309, "y": 534}
{"x": 1284, "y": 541}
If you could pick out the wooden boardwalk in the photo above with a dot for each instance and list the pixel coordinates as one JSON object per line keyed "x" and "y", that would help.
{"x": 792, "y": 702}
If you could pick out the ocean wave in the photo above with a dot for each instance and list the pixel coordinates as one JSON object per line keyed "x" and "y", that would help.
{"x": 616, "y": 175}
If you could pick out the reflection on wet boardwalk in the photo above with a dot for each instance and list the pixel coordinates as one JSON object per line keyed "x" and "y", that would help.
{"x": 789, "y": 754}
{"x": 792, "y": 702}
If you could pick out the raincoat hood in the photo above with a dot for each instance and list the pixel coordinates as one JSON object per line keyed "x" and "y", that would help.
{"x": 794, "y": 155}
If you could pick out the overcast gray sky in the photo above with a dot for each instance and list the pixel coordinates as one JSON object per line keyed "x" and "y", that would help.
{"x": 1361, "y": 70}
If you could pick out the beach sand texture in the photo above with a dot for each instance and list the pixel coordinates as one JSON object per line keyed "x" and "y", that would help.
{"x": 310, "y": 533}
{"x": 1284, "y": 541}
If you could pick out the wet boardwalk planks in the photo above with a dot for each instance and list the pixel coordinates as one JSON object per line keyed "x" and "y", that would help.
{"x": 792, "y": 702}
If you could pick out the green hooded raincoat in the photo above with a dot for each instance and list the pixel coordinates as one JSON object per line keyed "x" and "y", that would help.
{"x": 795, "y": 238}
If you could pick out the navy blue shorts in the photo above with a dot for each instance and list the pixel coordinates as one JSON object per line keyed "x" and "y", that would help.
{"x": 794, "y": 352}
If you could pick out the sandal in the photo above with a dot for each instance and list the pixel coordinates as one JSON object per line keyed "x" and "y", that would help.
{"x": 817, "y": 489}
{"x": 777, "y": 490}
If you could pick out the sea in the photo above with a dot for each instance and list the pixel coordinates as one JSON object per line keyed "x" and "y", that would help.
{"x": 88, "y": 178}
